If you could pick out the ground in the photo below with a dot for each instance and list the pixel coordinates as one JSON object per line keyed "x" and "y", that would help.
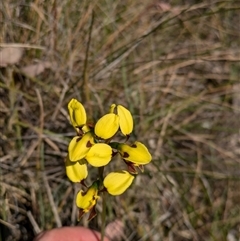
{"x": 174, "y": 64}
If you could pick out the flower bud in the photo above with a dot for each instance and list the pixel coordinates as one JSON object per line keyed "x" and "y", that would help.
{"x": 77, "y": 113}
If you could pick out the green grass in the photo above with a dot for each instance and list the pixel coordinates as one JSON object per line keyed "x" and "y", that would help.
{"x": 175, "y": 66}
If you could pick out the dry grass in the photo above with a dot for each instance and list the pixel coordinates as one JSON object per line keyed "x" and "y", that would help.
{"x": 175, "y": 65}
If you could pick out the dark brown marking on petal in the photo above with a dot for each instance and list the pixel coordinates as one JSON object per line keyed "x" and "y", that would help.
{"x": 78, "y": 139}
{"x": 89, "y": 144}
{"x": 125, "y": 154}
{"x": 79, "y": 127}
{"x": 79, "y": 130}
{"x": 134, "y": 146}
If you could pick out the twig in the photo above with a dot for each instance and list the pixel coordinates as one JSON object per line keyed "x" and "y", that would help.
{"x": 36, "y": 228}
{"x": 52, "y": 204}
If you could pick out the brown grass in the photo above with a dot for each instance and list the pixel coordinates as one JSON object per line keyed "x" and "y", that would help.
{"x": 174, "y": 65}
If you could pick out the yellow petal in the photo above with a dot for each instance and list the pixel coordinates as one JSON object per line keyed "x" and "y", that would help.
{"x": 107, "y": 126}
{"x": 78, "y": 148}
{"x": 125, "y": 120}
{"x": 112, "y": 108}
{"x": 137, "y": 153}
{"x": 76, "y": 171}
{"x": 117, "y": 182}
{"x": 77, "y": 113}
{"x": 87, "y": 200}
{"x": 85, "y": 128}
{"x": 99, "y": 155}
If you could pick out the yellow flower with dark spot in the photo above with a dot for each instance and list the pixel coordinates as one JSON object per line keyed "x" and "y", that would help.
{"x": 99, "y": 155}
{"x": 79, "y": 147}
{"x": 76, "y": 171}
{"x": 77, "y": 113}
{"x": 94, "y": 144}
{"x": 87, "y": 200}
{"x": 137, "y": 153}
{"x": 116, "y": 183}
{"x": 107, "y": 126}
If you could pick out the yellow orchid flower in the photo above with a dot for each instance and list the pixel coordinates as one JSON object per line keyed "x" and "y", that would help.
{"x": 125, "y": 119}
{"x": 77, "y": 113}
{"x": 107, "y": 126}
{"x": 76, "y": 171}
{"x": 79, "y": 147}
{"x": 99, "y": 155}
{"x": 117, "y": 182}
{"x": 95, "y": 145}
{"x": 87, "y": 200}
{"x": 137, "y": 153}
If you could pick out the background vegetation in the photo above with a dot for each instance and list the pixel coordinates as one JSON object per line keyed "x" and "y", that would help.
{"x": 174, "y": 64}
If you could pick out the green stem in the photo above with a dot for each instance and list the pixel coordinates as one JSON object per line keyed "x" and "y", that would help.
{"x": 114, "y": 145}
{"x": 100, "y": 174}
{"x": 103, "y": 215}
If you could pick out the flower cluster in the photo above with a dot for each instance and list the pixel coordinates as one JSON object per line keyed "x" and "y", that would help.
{"x": 93, "y": 145}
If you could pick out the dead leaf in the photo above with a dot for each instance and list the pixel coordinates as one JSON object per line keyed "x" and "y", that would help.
{"x": 35, "y": 69}
{"x": 10, "y": 55}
